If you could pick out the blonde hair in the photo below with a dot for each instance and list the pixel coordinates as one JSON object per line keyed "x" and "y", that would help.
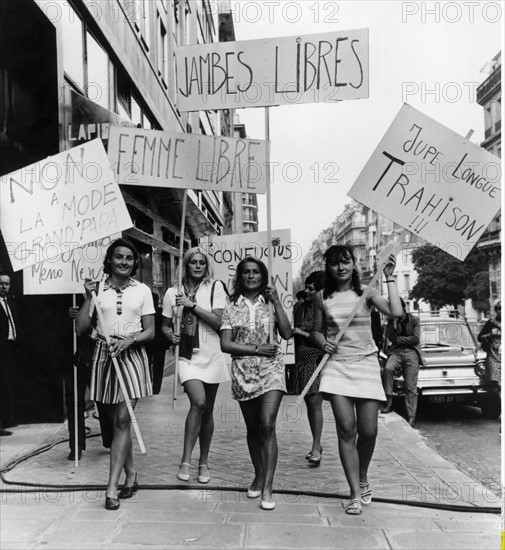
{"x": 209, "y": 272}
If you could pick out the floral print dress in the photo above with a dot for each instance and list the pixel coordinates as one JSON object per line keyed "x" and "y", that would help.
{"x": 252, "y": 376}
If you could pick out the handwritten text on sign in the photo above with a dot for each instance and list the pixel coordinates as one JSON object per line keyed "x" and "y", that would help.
{"x": 188, "y": 161}
{"x": 66, "y": 274}
{"x": 228, "y": 250}
{"x": 60, "y": 203}
{"x": 432, "y": 182}
{"x": 316, "y": 68}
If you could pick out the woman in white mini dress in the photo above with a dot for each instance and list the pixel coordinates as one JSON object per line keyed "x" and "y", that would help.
{"x": 350, "y": 379}
{"x": 202, "y": 365}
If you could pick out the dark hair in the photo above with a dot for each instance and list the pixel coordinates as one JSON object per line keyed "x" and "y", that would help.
{"x": 318, "y": 278}
{"x": 336, "y": 253}
{"x": 110, "y": 251}
{"x": 237, "y": 280}
{"x": 5, "y": 274}
{"x": 300, "y": 295}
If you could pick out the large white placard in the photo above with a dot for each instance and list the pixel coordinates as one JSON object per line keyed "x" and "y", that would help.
{"x": 187, "y": 161}
{"x": 431, "y": 181}
{"x": 228, "y": 250}
{"x": 316, "y": 68}
{"x": 60, "y": 203}
{"x": 66, "y": 274}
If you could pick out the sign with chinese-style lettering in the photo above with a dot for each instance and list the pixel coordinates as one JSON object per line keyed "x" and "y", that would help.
{"x": 228, "y": 250}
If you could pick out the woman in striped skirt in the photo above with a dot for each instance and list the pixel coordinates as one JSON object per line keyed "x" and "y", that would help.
{"x": 128, "y": 311}
{"x": 350, "y": 379}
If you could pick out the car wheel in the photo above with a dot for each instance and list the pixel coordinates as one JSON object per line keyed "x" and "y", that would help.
{"x": 491, "y": 406}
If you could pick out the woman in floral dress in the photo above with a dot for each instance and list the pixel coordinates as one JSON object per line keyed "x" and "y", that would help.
{"x": 257, "y": 370}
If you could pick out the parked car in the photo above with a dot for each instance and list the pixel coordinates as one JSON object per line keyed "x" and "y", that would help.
{"x": 454, "y": 371}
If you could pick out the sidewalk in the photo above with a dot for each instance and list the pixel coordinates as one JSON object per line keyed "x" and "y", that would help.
{"x": 167, "y": 513}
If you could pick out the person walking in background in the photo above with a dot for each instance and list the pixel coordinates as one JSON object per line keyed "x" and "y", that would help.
{"x": 156, "y": 349}
{"x": 350, "y": 379}
{"x": 257, "y": 369}
{"x": 10, "y": 327}
{"x": 490, "y": 340}
{"x": 404, "y": 357}
{"x": 307, "y": 357}
{"x": 128, "y": 311}
{"x": 202, "y": 365}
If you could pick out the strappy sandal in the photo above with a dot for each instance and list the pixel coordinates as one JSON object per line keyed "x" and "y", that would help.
{"x": 366, "y": 492}
{"x": 354, "y": 508}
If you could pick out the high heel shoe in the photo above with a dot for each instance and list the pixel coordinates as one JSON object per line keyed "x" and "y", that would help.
{"x": 203, "y": 473}
{"x": 111, "y": 503}
{"x": 128, "y": 492}
{"x": 183, "y": 476}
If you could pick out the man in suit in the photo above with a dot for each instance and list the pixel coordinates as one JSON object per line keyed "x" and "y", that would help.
{"x": 404, "y": 357}
{"x": 9, "y": 352}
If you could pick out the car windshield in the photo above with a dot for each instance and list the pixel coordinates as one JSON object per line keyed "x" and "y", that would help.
{"x": 446, "y": 334}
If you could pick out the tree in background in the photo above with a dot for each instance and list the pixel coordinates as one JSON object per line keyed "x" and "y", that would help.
{"x": 443, "y": 280}
{"x": 478, "y": 291}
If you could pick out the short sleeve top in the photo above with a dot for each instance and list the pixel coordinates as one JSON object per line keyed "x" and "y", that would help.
{"x": 124, "y": 308}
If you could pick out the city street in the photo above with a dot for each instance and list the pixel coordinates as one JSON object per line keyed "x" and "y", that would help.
{"x": 465, "y": 438}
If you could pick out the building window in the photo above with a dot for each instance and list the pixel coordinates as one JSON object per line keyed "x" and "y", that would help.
{"x": 97, "y": 86}
{"x": 162, "y": 53}
{"x": 406, "y": 282}
{"x": 73, "y": 49}
{"x": 141, "y": 21}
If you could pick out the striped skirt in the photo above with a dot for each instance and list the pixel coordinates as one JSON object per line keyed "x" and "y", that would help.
{"x": 353, "y": 377}
{"x": 134, "y": 367}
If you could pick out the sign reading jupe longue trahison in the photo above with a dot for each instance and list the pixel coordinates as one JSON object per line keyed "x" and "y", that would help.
{"x": 188, "y": 161}
{"x": 431, "y": 181}
{"x": 60, "y": 203}
{"x": 317, "y": 68}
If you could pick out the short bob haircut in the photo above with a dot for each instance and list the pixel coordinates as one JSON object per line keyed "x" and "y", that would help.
{"x": 333, "y": 255}
{"x": 110, "y": 251}
{"x": 237, "y": 280}
{"x": 317, "y": 278}
{"x": 209, "y": 273}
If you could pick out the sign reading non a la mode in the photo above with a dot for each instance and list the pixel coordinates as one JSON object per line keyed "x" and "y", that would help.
{"x": 188, "y": 161}
{"x": 431, "y": 181}
{"x": 317, "y": 68}
{"x": 60, "y": 203}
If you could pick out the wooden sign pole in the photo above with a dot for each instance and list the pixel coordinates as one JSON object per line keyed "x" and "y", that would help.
{"x": 178, "y": 314}
{"x": 76, "y": 397}
{"x": 269, "y": 221}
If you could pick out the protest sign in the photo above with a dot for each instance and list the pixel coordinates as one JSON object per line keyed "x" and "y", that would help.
{"x": 325, "y": 67}
{"x": 431, "y": 181}
{"x": 66, "y": 274}
{"x": 187, "y": 161}
{"x": 227, "y": 251}
{"x": 60, "y": 203}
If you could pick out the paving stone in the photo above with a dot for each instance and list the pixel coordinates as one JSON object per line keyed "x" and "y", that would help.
{"x": 305, "y": 536}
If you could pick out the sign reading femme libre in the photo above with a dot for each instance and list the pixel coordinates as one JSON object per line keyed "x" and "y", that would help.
{"x": 188, "y": 161}
{"x": 431, "y": 181}
{"x": 318, "y": 68}
{"x": 60, "y": 203}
